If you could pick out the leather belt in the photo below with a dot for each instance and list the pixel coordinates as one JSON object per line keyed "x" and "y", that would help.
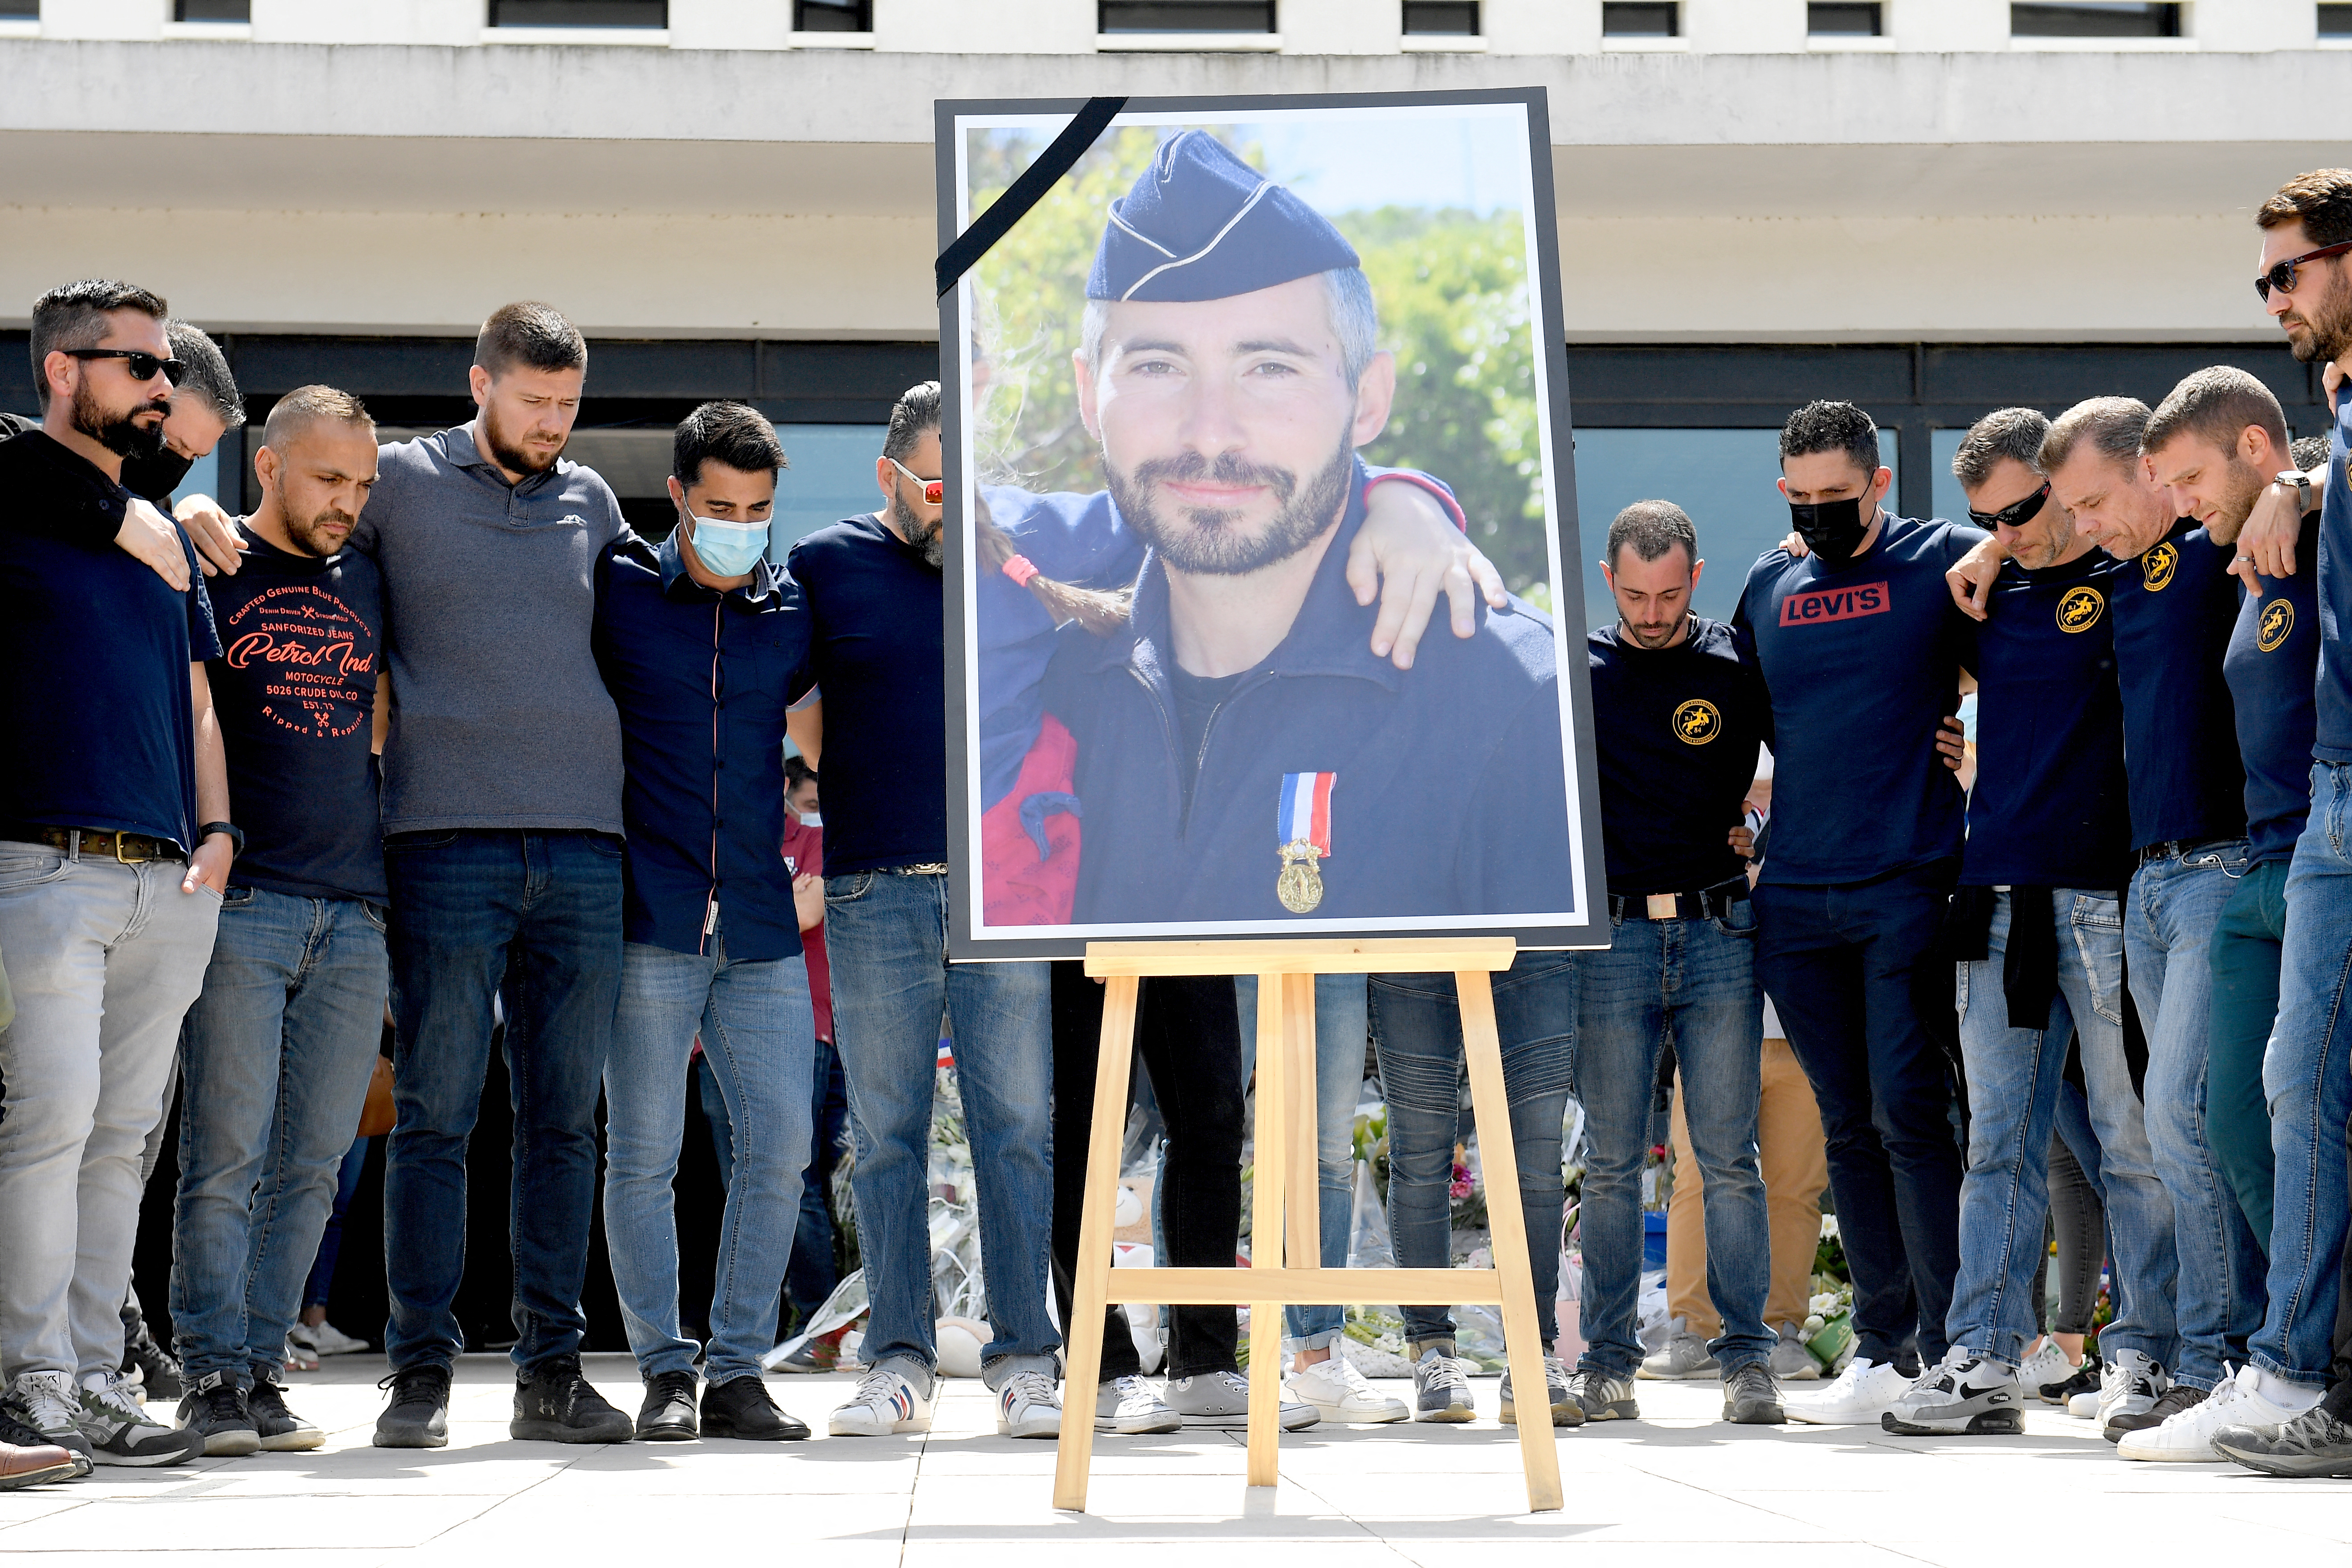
{"x": 2172, "y": 846}
{"x": 1706, "y": 903}
{"x": 128, "y": 849}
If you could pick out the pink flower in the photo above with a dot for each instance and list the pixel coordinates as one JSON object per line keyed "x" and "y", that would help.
{"x": 1459, "y": 1187}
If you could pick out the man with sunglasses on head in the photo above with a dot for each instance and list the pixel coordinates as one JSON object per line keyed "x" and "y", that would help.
{"x": 114, "y": 850}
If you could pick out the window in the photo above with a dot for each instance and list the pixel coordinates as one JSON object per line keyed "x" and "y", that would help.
{"x": 202, "y": 10}
{"x": 2334, "y": 21}
{"x": 30, "y": 10}
{"x": 832, "y": 15}
{"x": 1843, "y": 21}
{"x": 578, "y": 12}
{"x": 1621, "y": 20}
{"x": 1441, "y": 19}
{"x": 1185, "y": 15}
{"x": 2092, "y": 19}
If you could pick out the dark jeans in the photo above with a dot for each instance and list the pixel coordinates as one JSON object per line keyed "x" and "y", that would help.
{"x": 2248, "y": 945}
{"x": 1188, "y": 1032}
{"x": 473, "y": 911}
{"x": 1855, "y": 975}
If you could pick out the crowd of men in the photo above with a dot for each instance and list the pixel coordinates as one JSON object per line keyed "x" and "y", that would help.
{"x": 433, "y": 727}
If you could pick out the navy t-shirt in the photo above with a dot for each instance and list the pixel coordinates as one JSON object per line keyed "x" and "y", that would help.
{"x": 878, "y": 652}
{"x": 2051, "y": 808}
{"x": 2333, "y": 741}
{"x": 96, "y": 726}
{"x": 294, "y": 687}
{"x": 1863, "y": 661}
{"x": 2272, "y": 668}
{"x": 2174, "y": 607}
{"x": 1679, "y": 729}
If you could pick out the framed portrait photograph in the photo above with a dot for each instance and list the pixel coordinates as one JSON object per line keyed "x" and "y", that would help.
{"x": 1260, "y": 535}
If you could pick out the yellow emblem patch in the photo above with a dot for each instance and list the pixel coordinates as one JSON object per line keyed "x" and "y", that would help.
{"x": 2156, "y": 567}
{"x": 1696, "y": 723}
{"x": 2277, "y": 622}
{"x": 2080, "y": 609}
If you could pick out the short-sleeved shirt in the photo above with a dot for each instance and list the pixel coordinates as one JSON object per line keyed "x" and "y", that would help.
{"x": 703, "y": 680}
{"x": 2051, "y": 808}
{"x": 2175, "y": 606}
{"x": 1863, "y": 662}
{"x": 803, "y": 853}
{"x": 877, "y": 650}
{"x": 2333, "y": 740}
{"x": 294, "y": 688}
{"x": 97, "y": 727}
{"x": 1677, "y": 730}
{"x": 2272, "y": 667}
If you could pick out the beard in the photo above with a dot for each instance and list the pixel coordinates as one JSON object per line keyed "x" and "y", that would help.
{"x": 311, "y": 537}
{"x": 2246, "y": 484}
{"x": 2044, "y": 554}
{"x": 2330, "y": 324}
{"x": 115, "y": 432}
{"x": 508, "y": 454}
{"x": 1207, "y": 541}
{"x": 1655, "y": 636}
{"x": 927, "y": 537}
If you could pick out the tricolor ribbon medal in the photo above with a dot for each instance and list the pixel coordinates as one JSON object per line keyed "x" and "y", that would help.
{"x": 1302, "y": 833}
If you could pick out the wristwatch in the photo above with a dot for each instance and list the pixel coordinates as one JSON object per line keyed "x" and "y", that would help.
{"x": 2302, "y": 483}
{"x": 236, "y": 835}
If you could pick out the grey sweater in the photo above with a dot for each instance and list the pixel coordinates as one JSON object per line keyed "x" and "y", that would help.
{"x": 498, "y": 717}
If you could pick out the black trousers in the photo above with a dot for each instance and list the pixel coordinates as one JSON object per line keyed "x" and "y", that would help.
{"x": 1188, "y": 1034}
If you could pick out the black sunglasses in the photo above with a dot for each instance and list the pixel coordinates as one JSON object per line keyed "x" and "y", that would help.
{"x": 2016, "y": 514}
{"x": 142, "y": 365}
{"x": 2281, "y": 276}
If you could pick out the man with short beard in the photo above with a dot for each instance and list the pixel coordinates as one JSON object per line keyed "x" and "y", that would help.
{"x": 278, "y": 1050}
{"x": 502, "y": 855}
{"x": 114, "y": 849}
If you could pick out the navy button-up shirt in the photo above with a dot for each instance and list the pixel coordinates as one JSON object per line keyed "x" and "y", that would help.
{"x": 702, "y": 680}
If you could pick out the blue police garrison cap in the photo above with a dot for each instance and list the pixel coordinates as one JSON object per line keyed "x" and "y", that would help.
{"x": 1200, "y": 224}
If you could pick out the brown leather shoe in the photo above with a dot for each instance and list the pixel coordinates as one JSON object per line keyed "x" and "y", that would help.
{"x": 33, "y": 1467}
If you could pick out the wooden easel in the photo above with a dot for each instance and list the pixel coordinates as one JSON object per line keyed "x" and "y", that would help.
{"x": 1285, "y": 1185}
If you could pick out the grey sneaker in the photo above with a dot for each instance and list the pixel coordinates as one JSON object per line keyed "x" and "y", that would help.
{"x": 1684, "y": 1356}
{"x": 1565, "y": 1410}
{"x": 1750, "y": 1397}
{"x": 1219, "y": 1401}
{"x": 1603, "y": 1397}
{"x": 1964, "y": 1394}
{"x": 2314, "y": 1444}
{"x": 121, "y": 1430}
{"x": 1791, "y": 1361}
{"x": 1440, "y": 1390}
{"x": 1132, "y": 1406}
{"x": 45, "y": 1402}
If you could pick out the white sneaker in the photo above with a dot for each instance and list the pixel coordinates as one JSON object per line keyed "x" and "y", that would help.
{"x": 1131, "y": 1406}
{"x": 1341, "y": 1393}
{"x": 325, "y": 1339}
{"x": 45, "y": 1401}
{"x": 886, "y": 1402}
{"x": 2245, "y": 1398}
{"x": 2046, "y": 1365}
{"x": 2130, "y": 1386}
{"x": 1026, "y": 1407}
{"x": 1865, "y": 1391}
{"x": 1219, "y": 1401}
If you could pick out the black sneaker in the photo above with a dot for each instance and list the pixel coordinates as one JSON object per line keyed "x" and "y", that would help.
{"x": 558, "y": 1405}
{"x": 1750, "y": 1397}
{"x": 23, "y": 1434}
{"x": 2314, "y": 1444}
{"x": 282, "y": 1431}
{"x": 215, "y": 1407}
{"x": 2085, "y": 1381}
{"x": 741, "y": 1407}
{"x": 2180, "y": 1397}
{"x": 667, "y": 1413}
{"x": 419, "y": 1414}
{"x": 151, "y": 1367}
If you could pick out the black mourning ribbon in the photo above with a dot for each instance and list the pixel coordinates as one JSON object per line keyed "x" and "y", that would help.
{"x": 1025, "y": 192}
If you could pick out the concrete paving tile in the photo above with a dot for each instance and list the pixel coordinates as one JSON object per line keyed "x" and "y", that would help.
{"x": 202, "y": 1525}
{"x": 819, "y": 1466}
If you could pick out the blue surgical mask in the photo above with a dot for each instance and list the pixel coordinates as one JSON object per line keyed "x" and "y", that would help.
{"x": 729, "y": 549}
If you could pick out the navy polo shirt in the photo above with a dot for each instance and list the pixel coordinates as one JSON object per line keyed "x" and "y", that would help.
{"x": 96, "y": 726}
{"x": 2333, "y": 741}
{"x": 1449, "y": 796}
{"x": 877, "y": 650}
{"x": 702, "y": 680}
{"x": 2272, "y": 668}
{"x": 1677, "y": 730}
{"x": 2175, "y": 606}
{"x": 1863, "y": 662}
{"x": 2050, "y": 808}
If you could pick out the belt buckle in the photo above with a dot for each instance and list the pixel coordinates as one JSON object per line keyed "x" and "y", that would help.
{"x": 123, "y": 859}
{"x": 1663, "y": 906}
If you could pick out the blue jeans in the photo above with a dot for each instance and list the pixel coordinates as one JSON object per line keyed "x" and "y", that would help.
{"x": 1343, "y": 1021}
{"x": 1854, "y": 973}
{"x": 2014, "y": 1078}
{"x": 1416, "y": 1024}
{"x": 2305, "y": 1078}
{"x": 275, "y": 1058}
{"x": 886, "y": 935}
{"x": 322, "y": 1283}
{"x": 758, "y": 1036}
{"x": 2175, "y": 904}
{"x": 1694, "y": 982}
{"x": 477, "y": 913}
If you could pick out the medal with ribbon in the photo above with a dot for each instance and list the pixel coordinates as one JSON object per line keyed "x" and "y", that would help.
{"x": 1302, "y": 834}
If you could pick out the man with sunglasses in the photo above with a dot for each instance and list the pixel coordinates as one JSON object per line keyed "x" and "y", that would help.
{"x": 114, "y": 851}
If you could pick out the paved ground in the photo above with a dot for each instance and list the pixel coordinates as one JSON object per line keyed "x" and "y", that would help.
{"x": 1676, "y": 1488}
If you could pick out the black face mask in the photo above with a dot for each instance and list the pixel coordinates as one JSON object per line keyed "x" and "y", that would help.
{"x": 157, "y": 476}
{"x": 1831, "y": 530}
